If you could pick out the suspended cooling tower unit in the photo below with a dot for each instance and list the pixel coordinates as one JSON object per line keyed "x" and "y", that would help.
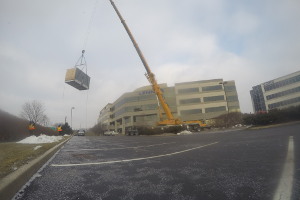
{"x": 77, "y": 78}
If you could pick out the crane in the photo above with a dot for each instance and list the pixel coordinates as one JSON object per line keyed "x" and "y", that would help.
{"x": 171, "y": 120}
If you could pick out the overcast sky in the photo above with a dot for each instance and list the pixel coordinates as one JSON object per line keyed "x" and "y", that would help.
{"x": 249, "y": 42}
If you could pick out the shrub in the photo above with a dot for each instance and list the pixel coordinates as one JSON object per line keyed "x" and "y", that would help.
{"x": 273, "y": 116}
{"x": 228, "y": 120}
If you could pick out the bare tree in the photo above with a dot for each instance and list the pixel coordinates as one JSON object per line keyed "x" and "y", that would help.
{"x": 34, "y": 111}
{"x": 45, "y": 120}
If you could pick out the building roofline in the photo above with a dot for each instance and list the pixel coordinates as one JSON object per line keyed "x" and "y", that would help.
{"x": 202, "y": 81}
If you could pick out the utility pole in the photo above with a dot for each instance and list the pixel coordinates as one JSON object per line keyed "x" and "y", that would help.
{"x": 71, "y": 117}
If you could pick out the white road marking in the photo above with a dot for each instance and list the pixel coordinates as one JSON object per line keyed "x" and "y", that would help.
{"x": 285, "y": 186}
{"x": 105, "y": 149}
{"x": 129, "y": 160}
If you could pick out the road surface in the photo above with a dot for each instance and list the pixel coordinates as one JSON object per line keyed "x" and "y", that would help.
{"x": 234, "y": 165}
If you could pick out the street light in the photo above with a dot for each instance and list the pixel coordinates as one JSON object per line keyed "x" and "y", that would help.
{"x": 71, "y": 115}
{"x": 223, "y": 83}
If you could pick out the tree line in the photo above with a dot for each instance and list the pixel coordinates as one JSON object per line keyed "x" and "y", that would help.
{"x": 274, "y": 116}
{"x": 34, "y": 112}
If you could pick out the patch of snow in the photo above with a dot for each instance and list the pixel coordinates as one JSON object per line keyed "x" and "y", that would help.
{"x": 185, "y": 132}
{"x": 40, "y": 139}
{"x": 37, "y": 147}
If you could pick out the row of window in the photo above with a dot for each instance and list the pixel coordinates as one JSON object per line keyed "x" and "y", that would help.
{"x": 144, "y": 118}
{"x": 204, "y": 89}
{"x": 135, "y": 99}
{"x": 229, "y": 88}
{"x": 199, "y": 111}
{"x": 208, "y": 99}
{"x": 282, "y": 83}
{"x": 135, "y": 109}
{"x": 188, "y": 90}
{"x": 215, "y": 109}
{"x": 213, "y": 98}
{"x": 190, "y": 101}
{"x": 284, "y": 103}
{"x": 283, "y": 93}
{"x": 232, "y": 98}
{"x": 212, "y": 88}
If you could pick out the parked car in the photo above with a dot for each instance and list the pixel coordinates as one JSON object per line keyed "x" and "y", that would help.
{"x": 81, "y": 133}
{"x": 110, "y": 133}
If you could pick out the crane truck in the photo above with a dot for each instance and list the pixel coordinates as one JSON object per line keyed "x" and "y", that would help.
{"x": 171, "y": 120}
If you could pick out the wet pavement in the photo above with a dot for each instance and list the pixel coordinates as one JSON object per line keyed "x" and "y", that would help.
{"x": 244, "y": 164}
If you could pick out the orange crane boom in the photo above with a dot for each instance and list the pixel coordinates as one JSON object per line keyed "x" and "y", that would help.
{"x": 151, "y": 78}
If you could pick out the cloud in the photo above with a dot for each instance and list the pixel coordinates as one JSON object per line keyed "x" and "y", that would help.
{"x": 249, "y": 42}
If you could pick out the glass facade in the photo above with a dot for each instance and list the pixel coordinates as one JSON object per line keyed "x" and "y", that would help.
{"x": 284, "y": 103}
{"x": 190, "y": 101}
{"x": 212, "y": 88}
{"x": 232, "y": 98}
{"x": 284, "y": 93}
{"x": 215, "y": 109}
{"x": 258, "y": 100}
{"x": 135, "y": 109}
{"x": 191, "y": 112}
{"x": 188, "y": 90}
{"x": 278, "y": 93}
{"x": 229, "y": 88}
{"x": 271, "y": 85}
{"x": 214, "y": 98}
{"x": 135, "y": 99}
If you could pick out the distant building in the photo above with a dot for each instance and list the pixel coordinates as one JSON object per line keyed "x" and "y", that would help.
{"x": 104, "y": 116}
{"x": 276, "y": 94}
{"x": 198, "y": 100}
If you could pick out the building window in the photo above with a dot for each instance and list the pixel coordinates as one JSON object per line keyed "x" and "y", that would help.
{"x": 232, "y": 98}
{"x": 284, "y": 103}
{"x": 274, "y": 85}
{"x": 147, "y": 97}
{"x": 283, "y": 93}
{"x": 212, "y": 88}
{"x": 191, "y": 112}
{"x": 189, "y": 101}
{"x": 229, "y": 88}
{"x": 215, "y": 109}
{"x": 213, "y": 98}
{"x": 127, "y": 120}
{"x": 188, "y": 90}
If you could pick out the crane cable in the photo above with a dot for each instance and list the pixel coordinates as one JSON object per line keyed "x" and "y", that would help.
{"x": 88, "y": 31}
{"x": 81, "y": 62}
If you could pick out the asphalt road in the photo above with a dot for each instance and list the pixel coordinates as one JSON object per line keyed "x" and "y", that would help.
{"x": 238, "y": 165}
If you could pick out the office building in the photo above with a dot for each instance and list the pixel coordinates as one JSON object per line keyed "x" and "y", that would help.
{"x": 197, "y": 100}
{"x": 279, "y": 93}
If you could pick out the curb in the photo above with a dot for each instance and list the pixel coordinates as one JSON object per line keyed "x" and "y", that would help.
{"x": 273, "y": 125}
{"x": 13, "y": 182}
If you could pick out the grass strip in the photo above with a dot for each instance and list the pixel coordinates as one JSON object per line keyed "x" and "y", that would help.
{"x": 14, "y": 155}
